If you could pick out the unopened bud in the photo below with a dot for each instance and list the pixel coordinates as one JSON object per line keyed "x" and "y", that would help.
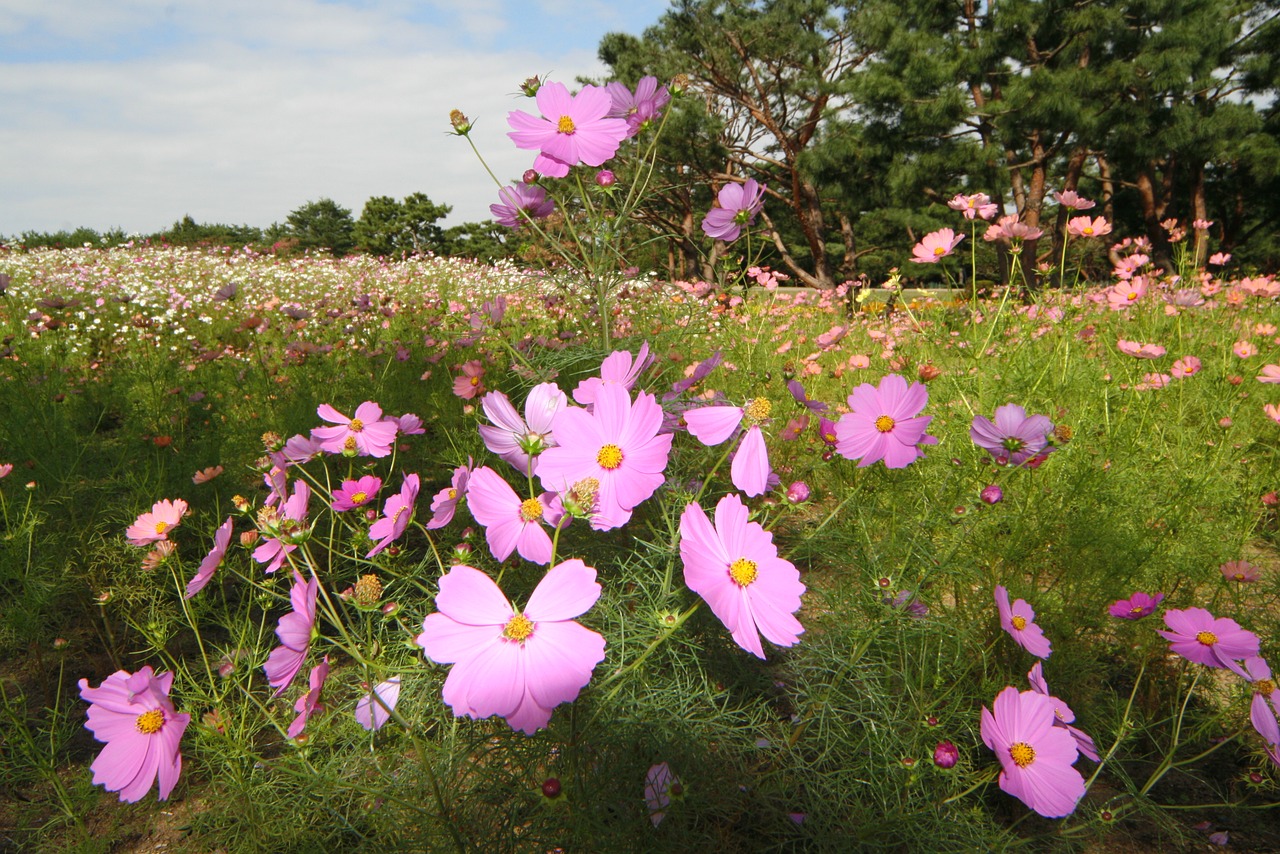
{"x": 531, "y": 86}
{"x": 461, "y": 124}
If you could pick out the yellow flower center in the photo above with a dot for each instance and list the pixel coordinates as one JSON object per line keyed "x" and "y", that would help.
{"x": 566, "y": 125}
{"x": 453, "y": 493}
{"x": 356, "y": 425}
{"x": 530, "y": 509}
{"x": 475, "y": 381}
{"x": 743, "y": 571}
{"x": 1207, "y": 638}
{"x": 757, "y": 410}
{"x": 939, "y": 250}
{"x": 884, "y": 423}
{"x": 1239, "y": 576}
{"x": 150, "y": 722}
{"x": 349, "y": 446}
{"x": 1019, "y": 623}
{"x": 1135, "y": 611}
{"x": 609, "y": 457}
{"x": 1022, "y": 754}
{"x": 518, "y": 628}
{"x": 161, "y": 527}
{"x": 1266, "y": 687}
{"x": 1133, "y": 295}
{"x": 1087, "y": 230}
{"x": 359, "y": 497}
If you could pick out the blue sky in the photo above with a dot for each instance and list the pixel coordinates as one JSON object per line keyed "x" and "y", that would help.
{"x": 132, "y": 113}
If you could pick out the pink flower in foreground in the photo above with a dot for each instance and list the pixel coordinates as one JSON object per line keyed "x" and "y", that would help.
{"x": 151, "y": 527}
{"x": 1244, "y": 349}
{"x": 1137, "y": 606}
{"x": 1126, "y": 292}
{"x": 374, "y": 709}
{"x": 1085, "y": 227}
{"x": 309, "y": 703}
{"x": 1140, "y": 351}
{"x": 659, "y": 785}
{"x": 618, "y": 368}
{"x": 1270, "y": 374}
{"x": 737, "y": 206}
{"x": 572, "y": 129}
{"x": 211, "y": 562}
{"x": 133, "y": 714}
{"x": 1273, "y": 411}
{"x": 935, "y": 246}
{"x": 510, "y": 524}
{"x": 518, "y": 440}
{"x": 469, "y": 383}
{"x": 519, "y": 665}
{"x": 1187, "y": 366}
{"x": 1063, "y": 716}
{"x": 445, "y": 502}
{"x": 615, "y": 450}
{"x": 1265, "y": 690}
{"x": 1198, "y": 636}
{"x": 520, "y": 203}
{"x": 1018, "y": 620}
{"x": 885, "y": 424}
{"x": 735, "y": 567}
{"x": 356, "y": 493}
{"x": 365, "y": 434}
{"x": 712, "y": 425}
{"x": 294, "y": 631}
{"x": 1035, "y": 756}
{"x": 977, "y": 206}
{"x": 396, "y": 515}
{"x": 640, "y": 108}
{"x": 1239, "y": 570}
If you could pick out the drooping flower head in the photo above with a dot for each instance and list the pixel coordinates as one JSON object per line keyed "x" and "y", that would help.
{"x": 640, "y": 108}
{"x": 294, "y": 631}
{"x": 211, "y": 562}
{"x": 616, "y": 445}
{"x": 1035, "y": 756}
{"x": 1014, "y": 437}
{"x": 1018, "y": 620}
{"x": 1136, "y": 606}
{"x": 374, "y": 709}
{"x": 1063, "y": 715}
{"x": 618, "y": 368}
{"x": 712, "y": 425}
{"x": 396, "y": 515}
{"x": 309, "y": 703}
{"x": 153, "y": 526}
{"x": 1198, "y": 636}
{"x": 365, "y": 434}
{"x": 519, "y": 203}
{"x": 133, "y": 714}
{"x": 516, "y": 664}
{"x": 356, "y": 493}
{"x": 935, "y": 246}
{"x": 885, "y": 424}
{"x": 735, "y": 567}
{"x": 445, "y": 502}
{"x": 737, "y": 206}
{"x": 519, "y": 440}
{"x": 572, "y": 129}
{"x": 510, "y": 524}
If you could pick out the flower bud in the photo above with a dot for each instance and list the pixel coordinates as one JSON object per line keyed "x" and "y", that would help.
{"x": 946, "y": 755}
{"x": 798, "y": 492}
{"x": 530, "y": 176}
{"x": 531, "y": 86}
{"x": 992, "y": 494}
{"x": 461, "y": 124}
{"x": 605, "y": 178}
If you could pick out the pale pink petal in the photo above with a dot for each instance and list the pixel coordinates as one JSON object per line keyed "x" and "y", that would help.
{"x": 469, "y": 596}
{"x": 711, "y": 425}
{"x": 568, "y": 590}
{"x": 750, "y": 469}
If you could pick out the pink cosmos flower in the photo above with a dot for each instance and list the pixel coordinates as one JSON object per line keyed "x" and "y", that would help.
{"x": 211, "y": 562}
{"x": 1072, "y": 199}
{"x": 1265, "y": 691}
{"x": 659, "y": 784}
{"x": 284, "y": 530}
{"x": 572, "y": 129}
{"x": 203, "y": 476}
{"x": 1018, "y": 620}
{"x": 1035, "y": 756}
{"x": 737, "y": 206}
{"x": 5, "y": 469}
{"x": 618, "y": 368}
{"x": 885, "y": 424}
{"x": 151, "y": 527}
{"x": 1273, "y": 411}
{"x": 396, "y": 515}
{"x": 1083, "y": 226}
{"x": 1136, "y": 606}
{"x": 408, "y": 424}
{"x": 1187, "y": 366}
{"x": 363, "y": 435}
{"x": 133, "y": 714}
{"x": 356, "y": 493}
{"x": 1062, "y": 713}
{"x": 977, "y": 206}
{"x": 935, "y": 246}
{"x": 294, "y": 631}
{"x": 640, "y": 108}
{"x": 1270, "y": 374}
{"x": 614, "y": 450}
{"x": 712, "y": 425}
{"x": 1239, "y": 570}
{"x": 510, "y": 524}
{"x": 1126, "y": 292}
{"x": 735, "y": 567}
{"x": 374, "y": 709}
{"x": 1011, "y": 229}
{"x": 1244, "y": 349}
{"x": 519, "y": 440}
{"x": 309, "y": 703}
{"x": 519, "y": 203}
{"x": 519, "y": 665}
{"x": 1014, "y": 437}
{"x": 469, "y": 383}
{"x": 1198, "y": 636}
{"x": 1140, "y": 351}
{"x": 445, "y": 502}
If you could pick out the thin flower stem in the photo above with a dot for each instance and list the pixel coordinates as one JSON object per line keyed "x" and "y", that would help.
{"x": 1122, "y": 729}
{"x": 986, "y": 778}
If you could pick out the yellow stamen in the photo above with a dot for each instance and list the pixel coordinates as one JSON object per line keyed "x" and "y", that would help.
{"x": 884, "y": 424}
{"x": 566, "y": 125}
{"x": 530, "y": 509}
{"x": 1022, "y": 754}
{"x": 150, "y": 722}
{"x": 939, "y": 250}
{"x": 161, "y": 527}
{"x": 743, "y": 571}
{"x": 609, "y": 457}
{"x": 453, "y": 493}
{"x": 356, "y": 425}
{"x": 518, "y": 628}
{"x": 359, "y": 497}
{"x": 1207, "y": 638}
{"x": 1265, "y": 687}
{"x": 757, "y": 410}
{"x": 1019, "y": 623}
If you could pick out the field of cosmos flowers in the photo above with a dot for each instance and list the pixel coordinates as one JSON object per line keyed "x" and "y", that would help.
{"x": 305, "y": 553}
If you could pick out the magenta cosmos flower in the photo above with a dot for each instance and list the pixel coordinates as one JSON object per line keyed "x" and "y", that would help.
{"x": 396, "y": 515}
{"x": 1265, "y": 690}
{"x": 374, "y": 709}
{"x": 640, "y": 108}
{"x": 151, "y": 527}
{"x": 614, "y": 451}
{"x": 1014, "y": 437}
{"x": 445, "y": 502}
{"x": 885, "y": 424}
{"x": 509, "y": 523}
{"x": 309, "y": 703}
{"x": 133, "y": 714}
{"x": 572, "y": 129}
{"x": 1198, "y": 636}
{"x": 1035, "y": 756}
{"x": 211, "y": 562}
{"x": 1018, "y": 620}
{"x": 737, "y": 206}
{"x": 519, "y": 665}
{"x": 365, "y": 434}
{"x": 355, "y": 493}
{"x": 520, "y": 203}
{"x": 1136, "y": 606}
{"x": 711, "y": 425}
{"x": 618, "y": 368}
{"x": 935, "y": 246}
{"x": 284, "y": 530}
{"x": 735, "y": 567}
{"x": 294, "y": 631}
{"x": 519, "y": 440}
